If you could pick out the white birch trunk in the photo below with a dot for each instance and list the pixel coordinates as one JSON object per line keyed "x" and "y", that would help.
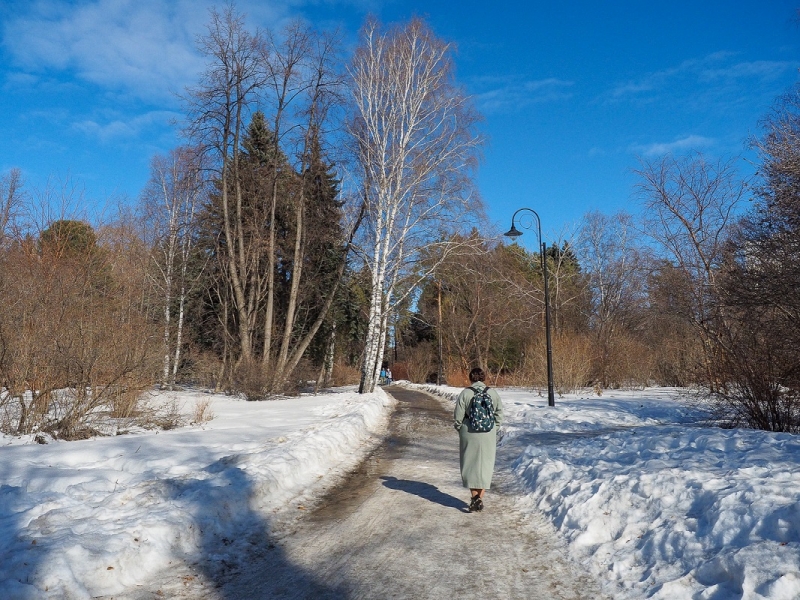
{"x": 172, "y": 194}
{"x": 415, "y": 140}
{"x": 166, "y": 173}
{"x": 178, "y": 336}
{"x": 165, "y": 373}
{"x": 330, "y": 356}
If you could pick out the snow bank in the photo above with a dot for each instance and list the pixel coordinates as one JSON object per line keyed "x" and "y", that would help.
{"x": 95, "y": 517}
{"x": 657, "y": 504}
{"x": 670, "y": 511}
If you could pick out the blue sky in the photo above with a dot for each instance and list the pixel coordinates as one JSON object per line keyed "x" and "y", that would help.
{"x": 573, "y": 93}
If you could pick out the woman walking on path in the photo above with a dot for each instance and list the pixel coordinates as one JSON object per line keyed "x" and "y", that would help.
{"x": 477, "y": 444}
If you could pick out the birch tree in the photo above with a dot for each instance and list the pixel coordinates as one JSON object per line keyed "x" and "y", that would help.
{"x": 415, "y": 139}
{"x": 609, "y": 253}
{"x": 173, "y": 196}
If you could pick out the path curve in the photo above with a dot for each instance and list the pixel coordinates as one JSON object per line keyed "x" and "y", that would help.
{"x": 399, "y": 528}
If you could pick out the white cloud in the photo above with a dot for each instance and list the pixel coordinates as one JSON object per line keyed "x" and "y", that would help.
{"x": 20, "y": 80}
{"x": 145, "y": 48}
{"x": 684, "y": 144}
{"x": 717, "y": 71}
{"x": 595, "y": 152}
{"x": 764, "y": 70}
{"x": 513, "y": 93}
{"x": 117, "y": 129}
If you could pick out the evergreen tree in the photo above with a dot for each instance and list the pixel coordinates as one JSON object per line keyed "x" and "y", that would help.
{"x": 321, "y": 241}
{"x": 68, "y": 238}
{"x": 323, "y": 249}
{"x": 217, "y": 321}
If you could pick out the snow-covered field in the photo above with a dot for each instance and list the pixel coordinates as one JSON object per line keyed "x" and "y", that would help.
{"x": 101, "y": 516}
{"x": 658, "y": 504}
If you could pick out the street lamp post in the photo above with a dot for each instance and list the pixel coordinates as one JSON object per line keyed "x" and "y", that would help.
{"x": 515, "y": 233}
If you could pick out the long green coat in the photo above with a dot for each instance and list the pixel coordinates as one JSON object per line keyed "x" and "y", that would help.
{"x": 477, "y": 448}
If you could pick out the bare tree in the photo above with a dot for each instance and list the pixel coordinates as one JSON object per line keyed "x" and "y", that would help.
{"x": 610, "y": 255}
{"x": 74, "y": 334}
{"x": 10, "y": 200}
{"x": 414, "y": 134}
{"x": 759, "y": 335}
{"x": 218, "y": 109}
{"x": 690, "y": 206}
{"x": 263, "y": 176}
{"x": 301, "y": 71}
{"x": 172, "y": 199}
{"x": 286, "y": 67}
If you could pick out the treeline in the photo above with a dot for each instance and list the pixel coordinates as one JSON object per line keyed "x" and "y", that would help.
{"x": 702, "y": 289}
{"x": 266, "y": 253}
{"x": 316, "y": 224}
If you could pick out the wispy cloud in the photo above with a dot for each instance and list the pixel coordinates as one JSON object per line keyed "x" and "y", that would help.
{"x": 683, "y": 144}
{"x": 20, "y": 80}
{"x": 716, "y": 74}
{"x": 659, "y": 80}
{"x": 145, "y": 48}
{"x": 122, "y": 129}
{"x": 512, "y": 93}
{"x": 764, "y": 70}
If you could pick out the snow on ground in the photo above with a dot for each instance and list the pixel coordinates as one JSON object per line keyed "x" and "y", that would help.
{"x": 658, "y": 503}
{"x": 97, "y": 517}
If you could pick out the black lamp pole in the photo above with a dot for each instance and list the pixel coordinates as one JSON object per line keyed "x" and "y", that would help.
{"x": 515, "y": 233}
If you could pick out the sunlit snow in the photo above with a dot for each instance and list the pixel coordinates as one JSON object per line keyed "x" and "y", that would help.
{"x": 656, "y": 501}
{"x": 100, "y": 516}
{"x": 654, "y": 498}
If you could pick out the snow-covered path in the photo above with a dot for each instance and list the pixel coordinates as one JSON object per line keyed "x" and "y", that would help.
{"x": 398, "y": 528}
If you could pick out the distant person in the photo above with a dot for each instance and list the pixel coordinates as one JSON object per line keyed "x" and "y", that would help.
{"x": 477, "y": 418}
{"x": 388, "y": 376}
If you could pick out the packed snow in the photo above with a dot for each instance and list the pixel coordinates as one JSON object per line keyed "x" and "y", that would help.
{"x": 658, "y": 501}
{"x": 100, "y": 516}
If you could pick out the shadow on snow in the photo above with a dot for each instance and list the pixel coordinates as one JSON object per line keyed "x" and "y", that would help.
{"x": 242, "y": 558}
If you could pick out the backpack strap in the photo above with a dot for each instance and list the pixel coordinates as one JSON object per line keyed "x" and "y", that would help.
{"x": 475, "y": 395}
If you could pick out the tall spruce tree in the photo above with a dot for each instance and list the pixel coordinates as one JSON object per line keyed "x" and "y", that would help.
{"x": 258, "y": 164}
{"x": 324, "y": 251}
{"x": 322, "y": 242}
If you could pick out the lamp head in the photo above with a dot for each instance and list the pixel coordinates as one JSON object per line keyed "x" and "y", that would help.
{"x": 513, "y": 233}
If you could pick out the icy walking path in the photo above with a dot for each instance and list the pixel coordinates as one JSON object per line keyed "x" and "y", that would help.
{"x": 398, "y": 528}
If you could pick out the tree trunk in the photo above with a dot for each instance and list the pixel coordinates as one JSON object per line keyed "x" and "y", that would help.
{"x": 269, "y": 311}
{"x": 297, "y": 272}
{"x": 178, "y": 336}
